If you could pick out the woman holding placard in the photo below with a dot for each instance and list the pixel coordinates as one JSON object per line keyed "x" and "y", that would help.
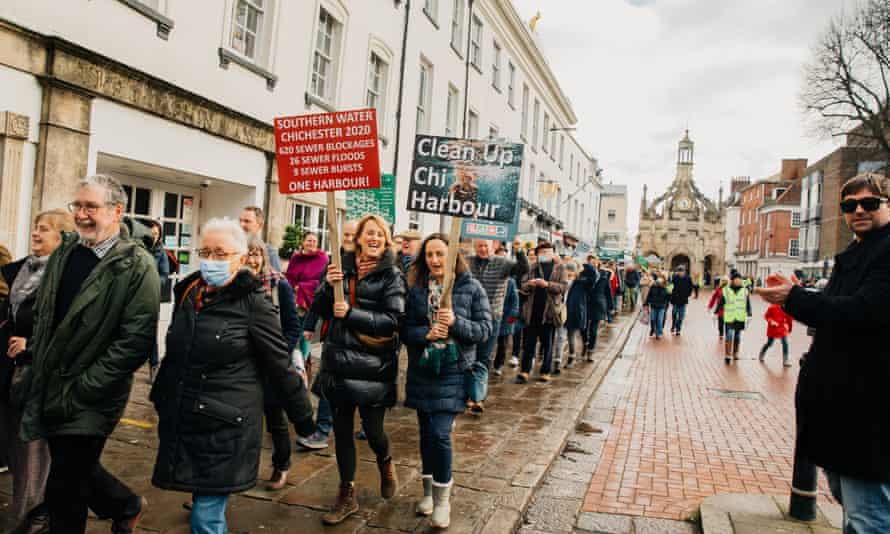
{"x": 360, "y": 356}
{"x": 441, "y": 343}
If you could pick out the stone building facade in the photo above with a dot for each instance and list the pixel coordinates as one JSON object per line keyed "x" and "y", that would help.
{"x": 682, "y": 226}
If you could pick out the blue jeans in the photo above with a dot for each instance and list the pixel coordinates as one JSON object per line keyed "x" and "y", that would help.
{"x": 732, "y": 334}
{"x": 435, "y": 444}
{"x": 209, "y": 514}
{"x": 866, "y": 503}
{"x": 769, "y": 343}
{"x": 656, "y": 320}
{"x": 324, "y": 419}
{"x": 476, "y": 381}
{"x": 678, "y": 313}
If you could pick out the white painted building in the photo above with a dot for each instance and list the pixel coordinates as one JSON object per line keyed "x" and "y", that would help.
{"x": 177, "y": 98}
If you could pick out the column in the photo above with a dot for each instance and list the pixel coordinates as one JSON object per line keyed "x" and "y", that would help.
{"x": 63, "y": 145}
{"x": 13, "y": 135}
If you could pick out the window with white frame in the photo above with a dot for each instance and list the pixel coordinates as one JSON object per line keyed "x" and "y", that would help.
{"x": 535, "y": 119}
{"x": 778, "y": 192}
{"x": 247, "y": 27}
{"x": 553, "y": 146}
{"x": 612, "y": 215}
{"x": 571, "y": 167}
{"x": 311, "y": 219}
{"x": 378, "y": 72}
{"x": 558, "y": 208}
{"x": 424, "y": 97}
{"x": 431, "y": 8}
{"x": 795, "y": 219}
{"x": 457, "y": 24}
{"x": 545, "y": 139}
{"x": 326, "y": 58}
{"x": 493, "y": 132}
{"x": 473, "y": 125}
{"x": 451, "y": 110}
{"x": 476, "y": 43}
{"x": 543, "y": 189}
{"x": 523, "y": 132}
{"x": 511, "y": 84}
{"x": 794, "y": 248}
{"x": 496, "y": 65}
{"x": 562, "y": 150}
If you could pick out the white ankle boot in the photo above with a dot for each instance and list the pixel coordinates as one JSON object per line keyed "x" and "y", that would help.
{"x": 425, "y": 504}
{"x": 441, "y": 505}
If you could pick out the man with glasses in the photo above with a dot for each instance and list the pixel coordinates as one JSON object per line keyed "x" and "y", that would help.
{"x": 96, "y": 318}
{"x": 843, "y": 421}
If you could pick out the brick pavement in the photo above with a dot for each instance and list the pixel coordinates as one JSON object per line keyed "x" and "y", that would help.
{"x": 675, "y": 440}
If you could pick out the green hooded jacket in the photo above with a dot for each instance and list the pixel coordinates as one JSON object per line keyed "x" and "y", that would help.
{"x": 82, "y": 371}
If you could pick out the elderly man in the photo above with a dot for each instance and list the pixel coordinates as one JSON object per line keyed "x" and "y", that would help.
{"x": 410, "y": 247}
{"x": 843, "y": 423}
{"x": 96, "y": 321}
{"x": 252, "y": 220}
{"x": 493, "y": 273}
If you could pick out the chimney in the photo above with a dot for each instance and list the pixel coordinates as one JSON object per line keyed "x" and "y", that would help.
{"x": 793, "y": 169}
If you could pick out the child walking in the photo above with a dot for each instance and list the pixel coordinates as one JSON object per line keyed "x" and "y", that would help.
{"x": 778, "y": 326}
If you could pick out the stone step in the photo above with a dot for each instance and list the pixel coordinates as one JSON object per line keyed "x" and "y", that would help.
{"x": 737, "y": 513}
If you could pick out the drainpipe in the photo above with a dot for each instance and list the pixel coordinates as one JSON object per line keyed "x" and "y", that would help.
{"x": 402, "y": 67}
{"x": 267, "y": 198}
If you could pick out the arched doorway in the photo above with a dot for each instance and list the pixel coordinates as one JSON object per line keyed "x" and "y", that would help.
{"x": 710, "y": 264}
{"x": 678, "y": 260}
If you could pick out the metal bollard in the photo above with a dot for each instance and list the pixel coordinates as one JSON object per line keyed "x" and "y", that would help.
{"x": 803, "y": 488}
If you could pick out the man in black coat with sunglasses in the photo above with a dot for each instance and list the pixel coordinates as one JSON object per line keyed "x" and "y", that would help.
{"x": 843, "y": 420}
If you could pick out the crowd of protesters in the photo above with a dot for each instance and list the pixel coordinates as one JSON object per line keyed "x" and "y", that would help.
{"x": 80, "y": 314}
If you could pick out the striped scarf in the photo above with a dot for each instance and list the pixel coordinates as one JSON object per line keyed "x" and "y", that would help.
{"x": 365, "y": 265}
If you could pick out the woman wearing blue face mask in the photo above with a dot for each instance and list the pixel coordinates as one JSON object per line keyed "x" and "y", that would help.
{"x": 224, "y": 341}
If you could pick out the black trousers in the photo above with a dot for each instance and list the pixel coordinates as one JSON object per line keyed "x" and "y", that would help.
{"x": 277, "y": 427}
{"x": 593, "y": 328}
{"x": 372, "y": 424}
{"x": 501, "y": 354}
{"x": 78, "y": 481}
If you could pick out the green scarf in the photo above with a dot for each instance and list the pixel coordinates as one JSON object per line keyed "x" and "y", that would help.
{"x": 439, "y": 352}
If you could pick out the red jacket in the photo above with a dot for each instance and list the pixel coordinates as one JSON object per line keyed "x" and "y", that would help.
{"x": 613, "y": 282}
{"x": 716, "y": 300}
{"x": 777, "y": 322}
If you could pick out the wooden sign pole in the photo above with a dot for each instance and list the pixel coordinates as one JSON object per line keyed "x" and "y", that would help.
{"x": 451, "y": 260}
{"x": 334, "y": 239}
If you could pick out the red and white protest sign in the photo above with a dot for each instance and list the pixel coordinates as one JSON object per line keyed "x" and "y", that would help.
{"x": 327, "y": 151}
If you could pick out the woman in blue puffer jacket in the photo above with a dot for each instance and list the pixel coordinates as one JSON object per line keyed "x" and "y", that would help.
{"x": 441, "y": 345}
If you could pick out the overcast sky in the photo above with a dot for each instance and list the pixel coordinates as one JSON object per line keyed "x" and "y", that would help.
{"x": 638, "y": 72}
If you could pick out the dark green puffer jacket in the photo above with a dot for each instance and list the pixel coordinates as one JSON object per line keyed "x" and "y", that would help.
{"x": 83, "y": 370}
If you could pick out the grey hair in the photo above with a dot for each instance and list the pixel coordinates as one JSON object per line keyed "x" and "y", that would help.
{"x": 114, "y": 193}
{"x": 227, "y": 226}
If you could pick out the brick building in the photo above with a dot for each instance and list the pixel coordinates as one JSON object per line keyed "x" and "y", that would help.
{"x": 823, "y": 232}
{"x": 769, "y": 223}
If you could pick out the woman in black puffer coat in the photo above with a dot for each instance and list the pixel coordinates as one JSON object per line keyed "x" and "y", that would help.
{"x": 441, "y": 346}
{"x": 224, "y": 338}
{"x": 359, "y": 361}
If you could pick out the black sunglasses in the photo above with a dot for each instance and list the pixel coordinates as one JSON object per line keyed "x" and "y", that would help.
{"x": 867, "y": 203}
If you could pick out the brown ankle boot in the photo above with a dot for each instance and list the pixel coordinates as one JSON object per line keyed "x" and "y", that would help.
{"x": 727, "y": 348}
{"x": 389, "y": 482}
{"x": 345, "y": 506}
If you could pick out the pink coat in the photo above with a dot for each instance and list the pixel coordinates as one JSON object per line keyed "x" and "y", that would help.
{"x": 304, "y": 274}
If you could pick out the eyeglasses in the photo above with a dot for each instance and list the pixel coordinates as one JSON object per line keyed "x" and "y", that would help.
{"x": 255, "y": 254}
{"x": 867, "y": 203}
{"x": 89, "y": 208}
{"x": 214, "y": 254}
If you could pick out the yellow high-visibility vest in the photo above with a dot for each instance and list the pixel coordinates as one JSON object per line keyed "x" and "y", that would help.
{"x": 735, "y": 309}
